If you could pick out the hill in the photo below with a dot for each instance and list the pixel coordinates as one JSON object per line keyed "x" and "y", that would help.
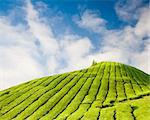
{"x": 104, "y": 91}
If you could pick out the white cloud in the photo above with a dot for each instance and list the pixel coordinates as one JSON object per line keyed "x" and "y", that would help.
{"x": 16, "y": 66}
{"x": 17, "y": 63}
{"x": 90, "y": 21}
{"x": 44, "y": 34}
{"x": 75, "y": 52}
{"x": 128, "y": 10}
{"x": 143, "y": 26}
{"x": 142, "y": 29}
{"x": 141, "y": 59}
{"x": 21, "y": 58}
{"x": 41, "y": 31}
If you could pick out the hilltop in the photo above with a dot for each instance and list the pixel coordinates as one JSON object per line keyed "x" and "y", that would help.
{"x": 105, "y": 91}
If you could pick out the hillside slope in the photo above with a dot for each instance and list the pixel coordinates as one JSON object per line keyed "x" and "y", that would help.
{"x": 105, "y": 91}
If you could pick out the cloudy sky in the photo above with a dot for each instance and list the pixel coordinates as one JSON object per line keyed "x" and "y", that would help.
{"x": 41, "y": 37}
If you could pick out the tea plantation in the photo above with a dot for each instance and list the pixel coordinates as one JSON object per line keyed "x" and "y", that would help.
{"x": 104, "y": 91}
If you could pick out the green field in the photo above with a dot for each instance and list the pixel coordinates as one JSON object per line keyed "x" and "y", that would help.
{"x": 104, "y": 91}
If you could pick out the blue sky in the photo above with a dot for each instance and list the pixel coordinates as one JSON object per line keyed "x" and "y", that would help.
{"x": 45, "y": 37}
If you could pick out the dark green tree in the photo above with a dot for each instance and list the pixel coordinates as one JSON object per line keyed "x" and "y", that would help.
{"x": 94, "y": 62}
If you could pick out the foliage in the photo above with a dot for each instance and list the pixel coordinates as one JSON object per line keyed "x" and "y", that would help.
{"x": 105, "y": 91}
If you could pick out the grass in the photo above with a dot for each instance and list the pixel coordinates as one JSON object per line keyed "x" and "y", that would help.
{"x": 104, "y": 91}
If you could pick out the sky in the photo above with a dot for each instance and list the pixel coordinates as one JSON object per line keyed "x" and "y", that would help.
{"x": 46, "y": 37}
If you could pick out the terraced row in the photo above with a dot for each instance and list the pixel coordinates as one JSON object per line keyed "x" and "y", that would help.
{"x": 92, "y": 93}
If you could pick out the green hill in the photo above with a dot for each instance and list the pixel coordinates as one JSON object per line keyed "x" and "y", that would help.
{"x": 104, "y": 91}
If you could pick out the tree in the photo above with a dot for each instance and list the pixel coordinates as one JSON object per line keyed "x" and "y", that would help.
{"x": 94, "y": 62}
